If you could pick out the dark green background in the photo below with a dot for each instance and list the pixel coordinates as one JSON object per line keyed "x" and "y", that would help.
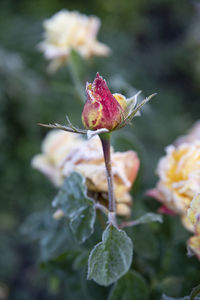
{"x": 155, "y": 48}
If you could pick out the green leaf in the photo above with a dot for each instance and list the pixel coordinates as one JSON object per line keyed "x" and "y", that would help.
{"x": 132, "y": 286}
{"x": 77, "y": 206}
{"x": 82, "y": 225}
{"x": 53, "y": 235}
{"x": 172, "y": 284}
{"x": 55, "y": 241}
{"x": 110, "y": 259}
{"x": 147, "y": 218}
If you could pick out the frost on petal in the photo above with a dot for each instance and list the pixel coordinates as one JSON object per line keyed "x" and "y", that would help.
{"x": 67, "y": 30}
{"x": 64, "y": 152}
{"x": 55, "y": 147}
{"x": 194, "y": 241}
{"x": 101, "y": 109}
{"x": 179, "y": 178}
{"x": 194, "y": 209}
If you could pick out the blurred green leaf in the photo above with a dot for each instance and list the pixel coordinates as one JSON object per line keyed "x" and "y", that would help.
{"x": 172, "y": 284}
{"x": 145, "y": 242}
{"x": 53, "y": 235}
{"x": 193, "y": 296}
{"x": 111, "y": 258}
{"x": 9, "y": 261}
{"x": 83, "y": 224}
{"x": 164, "y": 297}
{"x": 55, "y": 241}
{"x": 132, "y": 286}
{"x": 149, "y": 217}
{"x": 78, "y": 207}
{"x": 195, "y": 292}
{"x": 81, "y": 260}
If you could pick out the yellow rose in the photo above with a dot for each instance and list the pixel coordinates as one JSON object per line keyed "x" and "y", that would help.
{"x": 194, "y": 241}
{"x": 194, "y": 217}
{"x": 65, "y": 152}
{"x": 88, "y": 160}
{"x": 194, "y": 210}
{"x": 179, "y": 178}
{"x": 124, "y": 166}
{"x": 55, "y": 147}
{"x": 67, "y": 30}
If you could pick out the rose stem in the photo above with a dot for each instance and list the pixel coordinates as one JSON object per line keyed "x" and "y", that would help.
{"x": 75, "y": 78}
{"x": 105, "y": 140}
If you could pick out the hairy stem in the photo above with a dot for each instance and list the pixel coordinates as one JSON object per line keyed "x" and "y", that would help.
{"x": 105, "y": 140}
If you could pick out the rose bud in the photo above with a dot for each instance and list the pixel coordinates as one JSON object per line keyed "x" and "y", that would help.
{"x": 102, "y": 109}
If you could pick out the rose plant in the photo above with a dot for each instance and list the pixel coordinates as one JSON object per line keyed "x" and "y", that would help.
{"x": 102, "y": 114}
{"x": 94, "y": 181}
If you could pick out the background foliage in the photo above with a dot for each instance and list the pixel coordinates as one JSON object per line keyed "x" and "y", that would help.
{"x": 155, "y": 47}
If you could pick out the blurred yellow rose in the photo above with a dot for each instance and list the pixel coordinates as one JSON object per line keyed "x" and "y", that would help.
{"x": 194, "y": 210}
{"x": 194, "y": 217}
{"x": 55, "y": 147}
{"x": 192, "y": 135}
{"x": 64, "y": 152}
{"x": 67, "y": 30}
{"x": 194, "y": 241}
{"x": 179, "y": 178}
